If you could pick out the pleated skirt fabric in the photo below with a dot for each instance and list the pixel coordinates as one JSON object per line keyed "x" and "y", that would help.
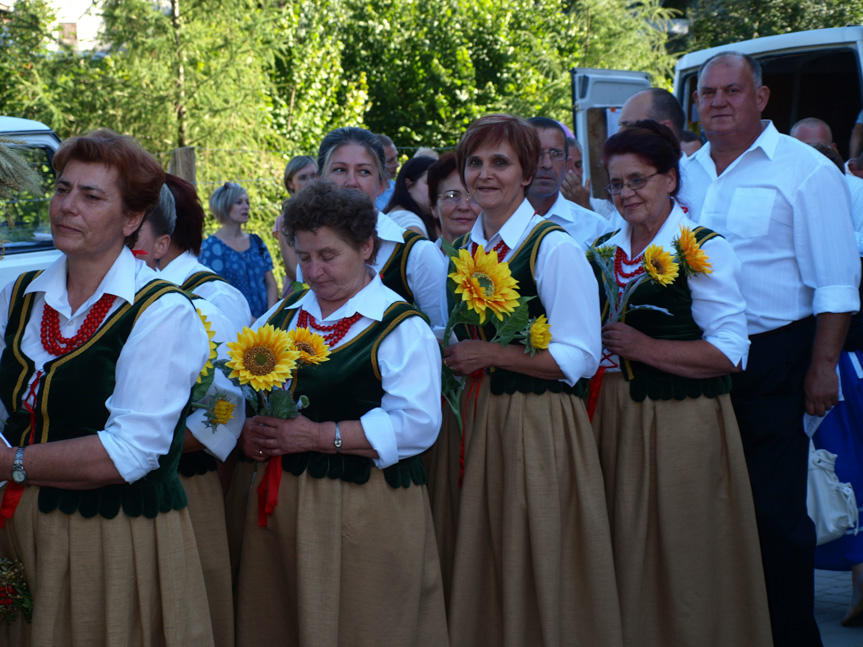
{"x": 533, "y": 562}
{"x": 341, "y": 564}
{"x": 207, "y": 513}
{"x": 442, "y": 465}
{"x": 237, "y": 500}
{"x": 122, "y": 582}
{"x": 686, "y": 548}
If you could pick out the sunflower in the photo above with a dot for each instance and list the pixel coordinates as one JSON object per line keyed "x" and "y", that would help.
{"x": 223, "y": 411}
{"x": 540, "y": 333}
{"x": 210, "y": 333}
{"x": 484, "y": 283}
{"x": 313, "y": 349}
{"x": 659, "y": 265}
{"x": 692, "y": 257}
{"x": 262, "y": 358}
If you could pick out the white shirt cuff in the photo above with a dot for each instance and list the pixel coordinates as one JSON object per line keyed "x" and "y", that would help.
{"x": 132, "y": 464}
{"x": 734, "y": 347}
{"x": 379, "y": 432}
{"x": 579, "y": 363}
{"x": 836, "y": 298}
{"x": 219, "y": 441}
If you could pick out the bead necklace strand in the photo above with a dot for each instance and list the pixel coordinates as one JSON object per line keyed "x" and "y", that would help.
{"x": 618, "y": 267}
{"x": 334, "y": 332}
{"x": 501, "y": 249}
{"x": 55, "y": 343}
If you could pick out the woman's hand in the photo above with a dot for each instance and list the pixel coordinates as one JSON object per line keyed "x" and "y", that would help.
{"x": 467, "y": 357}
{"x": 625, "y": 341}
{"x": 264, "y": 437}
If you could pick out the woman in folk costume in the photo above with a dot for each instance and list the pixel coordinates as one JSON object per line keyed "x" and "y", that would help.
{"x": 532, "y": 563}
{"x": 348, "y": 555}
{"x": 98, "y": 360}
{"x": 686, "y": 547}
{"x": 214, "y": 425}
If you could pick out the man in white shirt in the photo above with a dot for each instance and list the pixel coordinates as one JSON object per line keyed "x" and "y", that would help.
{"x": 783, "y": 207}
{"x": 815, "y": 131}
{"x": 544, "y": 193}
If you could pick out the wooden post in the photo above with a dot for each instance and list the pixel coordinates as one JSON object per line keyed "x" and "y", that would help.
{"x": 182, "y": 163}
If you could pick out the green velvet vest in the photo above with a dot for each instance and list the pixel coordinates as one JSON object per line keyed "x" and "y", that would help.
{"x": 649, "y": 382}
{"x": 199, "y": 278}
{"x": 345, "y": 387}
{"x": 394, "y": 272}
{"x": 521, "y": 265}
{"x": 71, "y": 404}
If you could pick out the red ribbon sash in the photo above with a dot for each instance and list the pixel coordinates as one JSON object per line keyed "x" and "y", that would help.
{"x": 268, "y": 490}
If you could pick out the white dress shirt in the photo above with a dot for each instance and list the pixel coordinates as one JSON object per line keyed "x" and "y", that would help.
{"x": 407, "y": 219}
{"x": 566, "y": 287}
{"x": 426, "y": 271}
{"x": 786, "y": 212}
{"x": 717, "y": 305}
{"x": 157, "y": 367}
{"x": 221, "y": 294}
{"x": 582, "y": 224}
{"x": 409, "y": 418}
{"x": 855, "y": 187}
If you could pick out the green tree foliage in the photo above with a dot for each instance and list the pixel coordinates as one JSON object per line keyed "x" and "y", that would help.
{"x": 719, "y": 22}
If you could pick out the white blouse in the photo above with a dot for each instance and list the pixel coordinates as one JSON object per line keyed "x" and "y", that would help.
{"x": 566, "y": 288}
{"x": 717, "y": 304}
{"x": 409, "y": 418}
{"x": 157, "y": 367}
{"x": 221, "y": 294}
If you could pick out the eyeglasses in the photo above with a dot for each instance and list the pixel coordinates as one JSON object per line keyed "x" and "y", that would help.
{"x": 633, "y": 184}
{"x": 554, "y": 154}
{"x": 454, "y": 197}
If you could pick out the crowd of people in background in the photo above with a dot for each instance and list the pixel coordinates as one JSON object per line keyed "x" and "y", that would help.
{"x": 638, "y": 480}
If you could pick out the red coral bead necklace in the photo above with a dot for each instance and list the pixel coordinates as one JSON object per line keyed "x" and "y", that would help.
{"x": 56, "y": 344}
{"x": 333, "y": 333}
{"x": 619, "y": 272}
{"x": 501, "y": 249}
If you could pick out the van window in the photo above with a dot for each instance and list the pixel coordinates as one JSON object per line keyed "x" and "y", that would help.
{"x": 24, "y": 225}
{"x": 820, "y": 83}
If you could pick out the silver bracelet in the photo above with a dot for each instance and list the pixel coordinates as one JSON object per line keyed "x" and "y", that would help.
{"x": 338, "y": 440}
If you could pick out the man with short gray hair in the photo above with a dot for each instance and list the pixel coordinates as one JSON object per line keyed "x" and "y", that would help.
{"x": 784, "y": 208}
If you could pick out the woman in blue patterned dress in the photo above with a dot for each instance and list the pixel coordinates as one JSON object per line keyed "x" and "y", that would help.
{"x": 243, "y": 259}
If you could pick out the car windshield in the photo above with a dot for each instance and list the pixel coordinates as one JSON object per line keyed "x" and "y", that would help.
{"x": 24, "y": 225}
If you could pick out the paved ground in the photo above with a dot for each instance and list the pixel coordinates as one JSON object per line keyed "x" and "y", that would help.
{"x": 832, "y": 595}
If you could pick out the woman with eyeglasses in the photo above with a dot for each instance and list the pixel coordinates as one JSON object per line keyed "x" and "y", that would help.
{"x": 686, "y": 550}
{"x": 450, "y": 202}
{"x": 532, "y": 557}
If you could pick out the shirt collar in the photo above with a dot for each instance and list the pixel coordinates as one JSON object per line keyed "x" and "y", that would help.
{"x": 767, "y": 141}
{"x": 387, "y": 229}
{"x": 562, "y": 208}
{"x": 510, "y": 232}
{"x": 179, "y": 269}
{"x": 667, "y": 232}
{"x": 372, "y": 301}
{"x": 119, "y": 281}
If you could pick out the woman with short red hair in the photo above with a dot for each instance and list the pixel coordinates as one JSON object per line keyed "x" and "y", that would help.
{"x": 97, "y": 361}
{"x": 532, "y": 562}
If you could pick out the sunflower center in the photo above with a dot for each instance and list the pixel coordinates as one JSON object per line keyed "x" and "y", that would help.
{"x": 259, "y": 360}
{"x": 485, "y": 283}
{"x": 305, "y": 347}
{"x": 657, "y": 265}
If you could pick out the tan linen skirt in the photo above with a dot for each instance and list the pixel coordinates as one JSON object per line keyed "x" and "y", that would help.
{"x": 683, "y": 524}
{"x": 237, "y": 501}
{"x": 341, "y": 564}
{"x": 122, "y": 582}
{"x": 442, "y": 466}
{"x": 207, "y": 513}
{"x": 533, "y": 562}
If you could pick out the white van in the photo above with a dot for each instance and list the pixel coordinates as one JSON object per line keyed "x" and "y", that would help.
{"x": 25, "y": 231}
{"x": 810, "y": 74}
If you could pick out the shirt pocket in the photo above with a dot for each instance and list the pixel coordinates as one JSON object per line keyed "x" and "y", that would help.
{"x": 750, "y": 212}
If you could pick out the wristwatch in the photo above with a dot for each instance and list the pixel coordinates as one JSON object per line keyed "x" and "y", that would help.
{"x": 338, "y": 440}
{"x": 18, "y": 473}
